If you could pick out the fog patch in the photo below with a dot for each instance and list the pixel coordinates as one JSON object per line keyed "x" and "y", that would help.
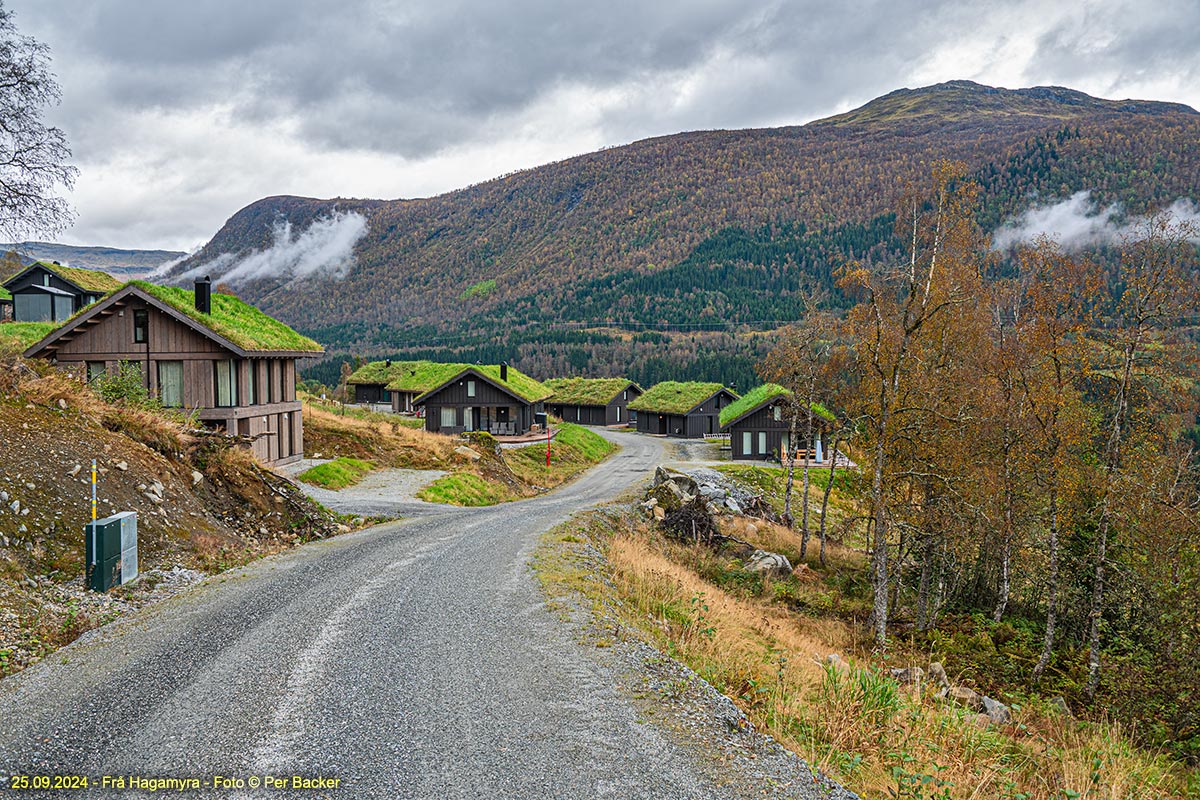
{"x": 325, "y": 248}
{"x": 1079, "y": 222}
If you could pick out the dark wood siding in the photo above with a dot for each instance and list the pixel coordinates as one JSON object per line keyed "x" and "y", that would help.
{"x": 277, "y": 413}
{"x": 489, "y": 404}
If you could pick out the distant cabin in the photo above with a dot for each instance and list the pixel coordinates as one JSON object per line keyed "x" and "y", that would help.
{"x": 5, "y": 305}
{"x": 197, "y": 351}
{"x": 758, "y": 426}
{"x": 400, "y": 382}
{"x": 46, "y": 291}
{"x": 488, "y": 397}
{"x": 684, "y": 410}
{"x": 592, "y": 401}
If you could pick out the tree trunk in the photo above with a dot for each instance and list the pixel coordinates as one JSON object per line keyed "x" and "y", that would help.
{"x": 1052, "y": 599}
{"x": 808, "y": 441}
{"x": 828, "y": 489}
{"x": 879, "y": 553}
{"x": 1006, "y": 545}
{"x": 923, "y": 604}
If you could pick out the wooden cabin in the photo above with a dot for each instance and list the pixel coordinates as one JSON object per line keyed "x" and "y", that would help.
{"x": 685, "y": 410}
{"x": 758, "y": 425}
{"x": 400, "y": 382}
{"x": 46, "y": 291}
{"x": 592, "y": 401}
{"x": 488, "y": 397}
{"x": 213, "y": 354}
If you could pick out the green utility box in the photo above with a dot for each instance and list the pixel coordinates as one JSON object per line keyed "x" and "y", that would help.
{"x": 111, "y": 551}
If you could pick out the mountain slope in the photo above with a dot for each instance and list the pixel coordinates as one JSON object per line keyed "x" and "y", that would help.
{"x": 123, "y": 263}
{"x": 700, "y": 229}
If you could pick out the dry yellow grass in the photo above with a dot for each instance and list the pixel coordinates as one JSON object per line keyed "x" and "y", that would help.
{"x": 386, "y": 444}
{"x": 877, "y": 737}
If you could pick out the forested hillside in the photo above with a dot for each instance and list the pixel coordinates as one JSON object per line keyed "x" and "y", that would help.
{"x": 585, "y": 265}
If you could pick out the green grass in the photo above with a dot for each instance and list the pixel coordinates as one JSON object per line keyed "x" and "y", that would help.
{"x": 20, "y": 335}
{"x": 573, "y": 450}
{"x": 234, "y": 319}
{"x": 337, "y": 474}
{"x": 586, "y": 391}
{"x": 675, "y": 397}
{"x": 481, "y": 289}
{"x": 464, "y": 489}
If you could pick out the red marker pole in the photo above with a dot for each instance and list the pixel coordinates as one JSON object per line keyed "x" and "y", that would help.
{"x": 547, "y": 443}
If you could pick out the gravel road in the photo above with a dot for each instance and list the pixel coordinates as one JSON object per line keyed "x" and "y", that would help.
{"x": 412, "y": 660}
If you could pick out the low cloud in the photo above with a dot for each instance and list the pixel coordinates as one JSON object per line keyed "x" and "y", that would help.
{"x": 1079, "y": 222}
{"x": 325, "y": 248}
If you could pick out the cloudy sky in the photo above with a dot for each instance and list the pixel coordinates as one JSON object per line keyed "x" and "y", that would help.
{"x": 180, "y": 113}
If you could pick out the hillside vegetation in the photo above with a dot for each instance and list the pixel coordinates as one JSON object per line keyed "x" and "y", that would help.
{"x": 562, "y": 268}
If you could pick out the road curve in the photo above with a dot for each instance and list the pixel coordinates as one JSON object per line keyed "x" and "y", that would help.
{"x": 412, "y": 660}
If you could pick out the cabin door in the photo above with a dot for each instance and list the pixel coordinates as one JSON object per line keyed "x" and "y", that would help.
{"x": 662, "y": 424}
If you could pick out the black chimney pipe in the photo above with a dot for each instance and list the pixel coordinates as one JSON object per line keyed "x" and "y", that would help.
{"x": 204, "y": 295}
{"x": 504, "y": 371}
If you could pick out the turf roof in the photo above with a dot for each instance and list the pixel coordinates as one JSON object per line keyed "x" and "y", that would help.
{"x": 586, "y": 391}
{"x": 421, "y": 376}
{"x": 90, "y": 280}
{"x": 5, "y": 294}
{"x": 518, "y": 382}
{"x": 25, "y": 334}
{"x": 760, "y": 395}
{"x": 234, "y": 319}
{"x": 675, "y": 397}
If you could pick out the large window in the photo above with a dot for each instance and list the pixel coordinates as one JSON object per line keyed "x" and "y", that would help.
{"x": 449, "y": 418}
{"x": 747, "y": 443}
{"x": 170, "y": 383}
{"x": 225, "y": 380}
{"x": 95, "y": 369}
{"x": 762, "y": 443}
{"x": 64, "y": 307}
{"x": 141, "y": 325}
{"x": 31, "y": 307}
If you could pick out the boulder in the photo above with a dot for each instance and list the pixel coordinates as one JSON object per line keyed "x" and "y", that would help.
{"x": 467, "y": 453}
{"x": 666, "y": 496}
{"x": 122, "y": 465}
{"x": 732, "y": 505}
{"x": 966, "y": 697}
{"x": 659, "y": 513}
{"x": 937, "y": 674}
{"x": 197, "y": 476}
{"x": 996, "y": 711}
{"x": 1059, "y": 704}
{"x": 837, "y": 663}
{"x": 769, "y": 563}
{"x": 909, "y": 675}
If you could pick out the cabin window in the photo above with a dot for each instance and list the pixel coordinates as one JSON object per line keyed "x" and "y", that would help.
{"x": 449, "y": 418}
{"x": 31, "y": 307}
{"x": 762, "y": 443}
{"x": 64, "y": 307}
{"x": 777, "y": 413}
{"x": 747, "y": 443}
{"x": 170, "y": 383}
{"x": 270, "y": 381}
{"x": 95, "y": 369}
{"x": 624, "y": 396}
{"x": 618, "y": 413}
{"x": 470, "y": 388}
{"x": 226, "y": 383}
{"x": 141, "y": 325}
{"x": 251, "y": 383}
{"x": 45, "y": 279}
{"x": 578, "y": 413}
{"x": 287, "y": 380}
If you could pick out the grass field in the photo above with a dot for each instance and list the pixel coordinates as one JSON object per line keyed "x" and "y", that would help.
{"x": 337, "y": 474}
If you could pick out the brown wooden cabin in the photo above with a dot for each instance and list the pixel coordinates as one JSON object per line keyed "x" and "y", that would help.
{"x": 682, "y": 410}
{"x": 46, "y": 291}
{"x": 212, "y": 354}
{"x": 758, "y": 426}
{"x": 593, "y": 401}
{"x": 493, "y": 398}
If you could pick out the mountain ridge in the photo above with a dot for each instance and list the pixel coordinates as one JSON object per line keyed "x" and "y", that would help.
{"x": 703, "y": 229}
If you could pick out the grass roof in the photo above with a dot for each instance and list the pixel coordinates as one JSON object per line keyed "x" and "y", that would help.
{"x": 675, "y": 397}
{"x": 24, "y": 334}
{"x": 759, "y": 395}
{"x": 373, "y": 372}
{"x": 90, "y": 280}
{"x": 5, "y": 294}
{"x": 421, "y": 376}
{"x": 234, "y": 319}
{"x": 518, "y": 382}
{"x": 586, "y": 391}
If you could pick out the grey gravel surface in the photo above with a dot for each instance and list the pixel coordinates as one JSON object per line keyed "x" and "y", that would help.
{"x": 381, "y": 492}
{"x": 412, "y": 660}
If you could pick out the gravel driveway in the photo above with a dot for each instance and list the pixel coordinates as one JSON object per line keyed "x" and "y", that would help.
{"x": 416, "y": 659}
{"x": 381, "y": 493}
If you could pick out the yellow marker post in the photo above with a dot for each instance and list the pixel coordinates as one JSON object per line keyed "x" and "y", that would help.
{"x": 93, "y": 490}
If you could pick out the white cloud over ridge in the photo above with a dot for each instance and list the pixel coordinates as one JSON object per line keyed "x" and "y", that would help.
{"x": 326, "y": 248}
{"x": 1078, "y": 223}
